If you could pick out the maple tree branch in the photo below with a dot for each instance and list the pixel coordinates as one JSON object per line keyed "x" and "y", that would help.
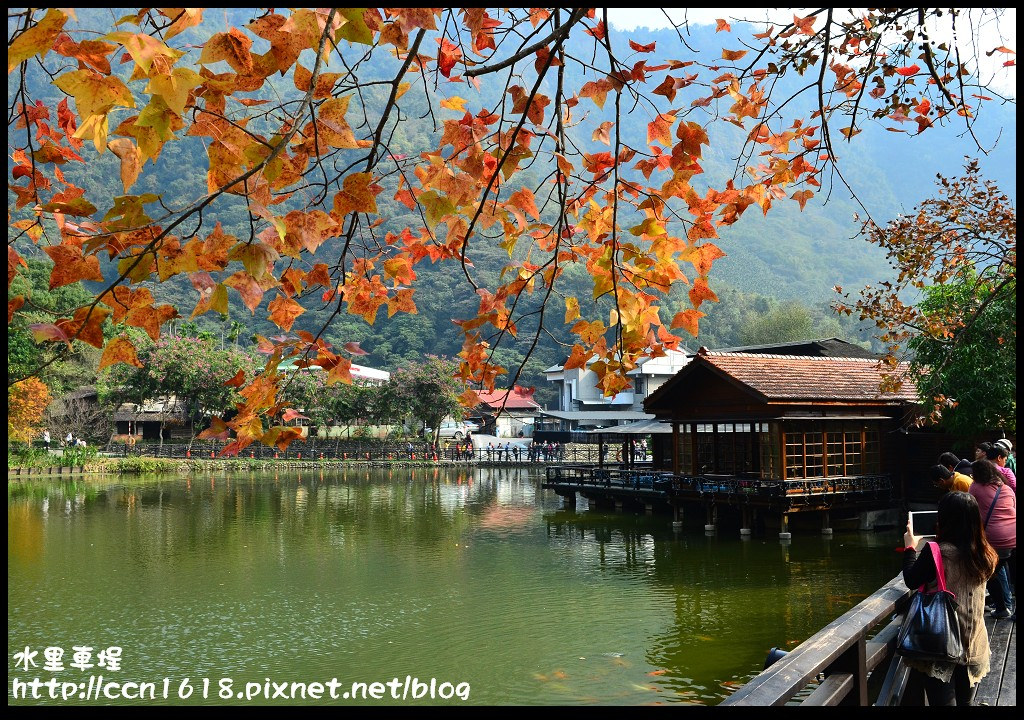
{"x": 188, "y": 212}
{"x": 615, "y": 189}
{"x": 541, "y": 73}
{"x": 558, "y": 34}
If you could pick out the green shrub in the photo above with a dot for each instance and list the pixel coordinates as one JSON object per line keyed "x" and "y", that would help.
{"x": 138, "y": 465}
{"x": 76, "y": 456}
{"x": 22, "y": 455}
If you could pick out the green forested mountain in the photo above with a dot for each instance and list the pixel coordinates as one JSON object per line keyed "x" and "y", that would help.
{"x": 782, "y": 265}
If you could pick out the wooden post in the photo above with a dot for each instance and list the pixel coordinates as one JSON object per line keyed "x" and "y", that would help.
{"x": 826, "y": 525}
{"x": 712, "y": 515}
{"x": 675, "y": 447}
{"x": 677, "y": 515}
{"x": 854, "y": 662}
{"x": 745, "y": 527}
{"x": 784, "y": 533}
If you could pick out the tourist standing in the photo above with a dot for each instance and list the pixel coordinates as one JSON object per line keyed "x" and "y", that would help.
{"x": 1011, "y": 459}
{"x": 996, "y": 454}
{"x": 968, "y": 561}
{"x": 46, "y": 439}
{"x": 948, "y": 481}
{"x": 961, "y": 470}
{"x": 997, "y": 504}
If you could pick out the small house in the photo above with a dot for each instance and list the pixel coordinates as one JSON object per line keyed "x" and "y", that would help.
{"x": 781, "y": 417}
{"x": 507, "y": 413}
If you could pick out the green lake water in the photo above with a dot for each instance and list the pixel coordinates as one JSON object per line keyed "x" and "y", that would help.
{"x": 472, "y": 576}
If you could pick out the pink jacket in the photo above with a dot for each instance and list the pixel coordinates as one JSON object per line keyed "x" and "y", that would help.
{"x": 1008, "y": 477}
{"x": 1002, "y": 525}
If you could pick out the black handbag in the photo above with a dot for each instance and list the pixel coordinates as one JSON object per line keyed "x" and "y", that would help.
{"x": 931, "y": 631}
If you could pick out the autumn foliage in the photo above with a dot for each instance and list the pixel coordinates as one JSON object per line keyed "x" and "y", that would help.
{"x": 958, "y": 249}
{"x": 26, "y": 403}
{"x": 280, "y": 105}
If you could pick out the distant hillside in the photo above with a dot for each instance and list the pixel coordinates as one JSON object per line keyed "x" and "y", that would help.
{"x": 787, "y": 255}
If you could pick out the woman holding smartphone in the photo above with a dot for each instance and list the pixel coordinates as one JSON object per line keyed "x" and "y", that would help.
{"x": 968, "y": 561}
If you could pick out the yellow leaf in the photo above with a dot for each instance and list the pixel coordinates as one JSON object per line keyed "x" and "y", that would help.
{"x": 174, "y": 88}
{"x": 94, "y": 128}
{"x": 38, "y": 39}
{"x": 94, "y": 94}
{"x": 143, "y": 48}
{"x": 572, "y": 309}
{"x": 454, "y": 103}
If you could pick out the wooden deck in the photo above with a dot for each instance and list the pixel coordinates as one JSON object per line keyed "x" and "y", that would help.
{"x": 999, "y": 687}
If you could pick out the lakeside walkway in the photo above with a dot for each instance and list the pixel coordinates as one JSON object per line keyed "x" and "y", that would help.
{"x": 999, "y": 687}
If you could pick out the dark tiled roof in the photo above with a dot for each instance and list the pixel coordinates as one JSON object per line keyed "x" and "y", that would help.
{"x": 790, "y": 377}
{"x": 822, "y": 347}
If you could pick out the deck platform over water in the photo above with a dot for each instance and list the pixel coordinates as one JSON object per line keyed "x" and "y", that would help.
{"x": 645, "y": 485}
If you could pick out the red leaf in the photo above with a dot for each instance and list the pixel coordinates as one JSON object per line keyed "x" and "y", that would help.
{"x": 42, "y": 332}
{"x": 642, "y": 48}
{"x": 909, "y": 70}
{"x": 353, "y": 347}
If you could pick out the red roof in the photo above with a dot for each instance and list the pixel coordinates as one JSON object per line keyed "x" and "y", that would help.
{"x": 515, "y": 400}
{"x": 788, "y": 377}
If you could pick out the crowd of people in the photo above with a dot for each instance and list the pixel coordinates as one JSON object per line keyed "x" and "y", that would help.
{"x": 976, "y": 533}
{"x": 507, "y": 451}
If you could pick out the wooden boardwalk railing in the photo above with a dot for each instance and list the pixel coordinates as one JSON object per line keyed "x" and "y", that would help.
{"x": 844, "y": 651}
{"x": 852, "y": 664}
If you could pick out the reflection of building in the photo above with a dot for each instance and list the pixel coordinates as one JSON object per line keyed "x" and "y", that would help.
{"x": 581, "y": 404}
{"x": 507, "y": 414}
{"x": 781, "y": 417}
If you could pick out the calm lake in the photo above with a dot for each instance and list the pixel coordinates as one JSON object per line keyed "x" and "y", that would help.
{"x": 471, "y": 576}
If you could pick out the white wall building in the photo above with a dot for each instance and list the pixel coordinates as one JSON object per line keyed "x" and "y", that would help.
{"x": 581, "y": 404}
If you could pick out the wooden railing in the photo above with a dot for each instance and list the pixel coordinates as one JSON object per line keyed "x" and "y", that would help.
{"x": 335, "y": 449}
{"x": 840, "y": 658}
{"x": 617, "y": 476}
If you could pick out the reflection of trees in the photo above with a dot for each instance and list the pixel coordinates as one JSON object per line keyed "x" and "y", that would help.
{"x": 731, "y": 599}
{"x": 387, "y": 508}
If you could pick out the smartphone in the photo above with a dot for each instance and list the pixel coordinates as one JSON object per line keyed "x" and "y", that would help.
{"x": 922, "y": 523}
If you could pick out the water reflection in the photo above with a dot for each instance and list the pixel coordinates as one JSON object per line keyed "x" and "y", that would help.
{"x": 455, "y": 574}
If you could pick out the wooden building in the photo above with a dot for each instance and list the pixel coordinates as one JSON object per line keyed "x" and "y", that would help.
{"x": 781, "y": 417}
